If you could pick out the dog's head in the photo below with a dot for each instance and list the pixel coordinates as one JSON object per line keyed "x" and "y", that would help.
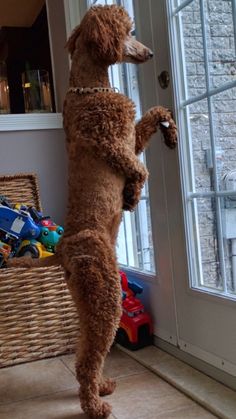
{"x": 105, "y": 31}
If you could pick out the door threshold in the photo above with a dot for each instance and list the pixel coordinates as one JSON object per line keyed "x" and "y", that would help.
{"x": 209, "y": 393}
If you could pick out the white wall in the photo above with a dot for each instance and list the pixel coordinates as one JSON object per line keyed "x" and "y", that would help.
{"x": 41, "y": 152}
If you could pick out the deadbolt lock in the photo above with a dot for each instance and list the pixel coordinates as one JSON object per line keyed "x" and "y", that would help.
{"x": 164, "y": 79}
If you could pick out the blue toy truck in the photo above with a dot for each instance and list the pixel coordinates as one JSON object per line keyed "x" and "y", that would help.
{"x": 25, "y": 231}
{"x": 18, "y": 223}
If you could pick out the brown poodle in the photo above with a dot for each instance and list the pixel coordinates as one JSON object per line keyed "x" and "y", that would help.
{"x": 105, "y": 177}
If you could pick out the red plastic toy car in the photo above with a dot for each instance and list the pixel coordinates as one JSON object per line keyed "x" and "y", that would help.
{"x": 136, "y": 327}
{"x": 5, "y": 251}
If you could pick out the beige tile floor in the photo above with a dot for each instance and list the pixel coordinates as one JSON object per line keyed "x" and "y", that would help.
{"x": 211, "y": 394}
{"x": 47, "y": 389}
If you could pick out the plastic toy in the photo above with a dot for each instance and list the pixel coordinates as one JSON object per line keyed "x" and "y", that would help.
{"x": 5, "y": 251}
{"x": 33, "y": 248}
{"x": 50, "y": 236}
{"x": 18, "y": 223}
{"x": 45, "y": 245}
{"x": 136, "y": 329}
{"x": 4, "y": 201}
{"x": 26, "y": 231}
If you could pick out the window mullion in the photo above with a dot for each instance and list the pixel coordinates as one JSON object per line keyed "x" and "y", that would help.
{"x": 210, "y": 194}
{"x": 210, "y": 92}
{"x": 234, "y": 21}
{"x": 126, "y": 242}
{"x": 182, "y": 6}
{"x": 213, "y": 150}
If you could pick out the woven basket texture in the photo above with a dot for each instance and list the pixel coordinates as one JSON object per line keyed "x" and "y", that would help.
{"x": 38, "y": 318}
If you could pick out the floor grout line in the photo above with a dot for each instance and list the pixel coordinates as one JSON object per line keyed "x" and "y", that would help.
{"x": 121, "y": 377}
{"x": 68, "y": 368}
{"x": 113, "y": 377}
{"x": 36, "y": 397}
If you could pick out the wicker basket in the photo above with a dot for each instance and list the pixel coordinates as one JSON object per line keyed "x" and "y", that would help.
{"x": 37, "y": 316}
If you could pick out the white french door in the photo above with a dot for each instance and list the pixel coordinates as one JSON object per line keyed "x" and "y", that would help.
{"x": 202, "y": 48}
{"x": 193, "y": 200}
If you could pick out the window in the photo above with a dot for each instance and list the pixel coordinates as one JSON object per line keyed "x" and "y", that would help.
{"x": 134, "y": 246}
{"x": 206, "y": 72}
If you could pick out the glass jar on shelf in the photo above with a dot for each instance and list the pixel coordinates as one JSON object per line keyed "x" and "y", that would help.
{"x": 4, "y": 89}
{"x": 37, "y": 92}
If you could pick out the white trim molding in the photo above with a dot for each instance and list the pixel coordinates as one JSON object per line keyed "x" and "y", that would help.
{"x": 30, "y": 121}
{"x": 209, "y": 358}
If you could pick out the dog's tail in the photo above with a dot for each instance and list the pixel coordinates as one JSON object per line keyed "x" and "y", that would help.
{"x": 28, "y": 262}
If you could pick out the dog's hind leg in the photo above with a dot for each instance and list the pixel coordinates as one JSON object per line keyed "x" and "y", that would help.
{"x": 95, "y": 286}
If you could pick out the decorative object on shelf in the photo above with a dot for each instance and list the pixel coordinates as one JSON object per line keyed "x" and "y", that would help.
{"x": 37, "y": 91}
{"x": 4, "y": 89}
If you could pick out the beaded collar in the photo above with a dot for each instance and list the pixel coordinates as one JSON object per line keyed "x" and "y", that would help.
{"x": 84, "y": 90}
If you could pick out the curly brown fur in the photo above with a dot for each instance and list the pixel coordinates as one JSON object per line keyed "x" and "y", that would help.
{"x": 105, "y": 176}
{"x": 104, "y": 42}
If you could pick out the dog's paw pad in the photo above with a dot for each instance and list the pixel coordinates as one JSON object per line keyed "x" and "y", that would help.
{"x": 165, "y": 124}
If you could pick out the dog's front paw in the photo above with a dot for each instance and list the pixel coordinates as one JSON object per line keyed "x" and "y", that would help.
{"x": 169, "y": 131}
{"x": 131, "y": 196}
{"x": 162, "y": 118}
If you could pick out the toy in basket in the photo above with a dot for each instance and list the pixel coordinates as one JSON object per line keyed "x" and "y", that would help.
{"x": 136, "y": 329}
{"x": 25, "y": 231}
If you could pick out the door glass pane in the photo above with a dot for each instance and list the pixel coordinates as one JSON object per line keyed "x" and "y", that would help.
{"x": 224, "y": 118}
{"x": 220, "y": 41}
{"x": 193, "y": 54}
{"x": 205, "y": 219}
{"x": 134, "y": 244}
{"x": 210, "y": 269}
{"x": 200, "y": 143}
{"x": 229, "y": 234}
{"x": 208, "y": 152}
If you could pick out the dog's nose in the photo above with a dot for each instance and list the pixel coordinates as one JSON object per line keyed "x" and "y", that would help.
{"x": 150, "y": 54}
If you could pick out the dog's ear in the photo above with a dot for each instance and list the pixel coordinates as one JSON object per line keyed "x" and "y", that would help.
{"x": 103, "y": 39}
{"x": 102, "y": 31}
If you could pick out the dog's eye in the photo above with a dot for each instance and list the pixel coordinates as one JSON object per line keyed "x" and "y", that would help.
{"x": 132, "y": 32}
